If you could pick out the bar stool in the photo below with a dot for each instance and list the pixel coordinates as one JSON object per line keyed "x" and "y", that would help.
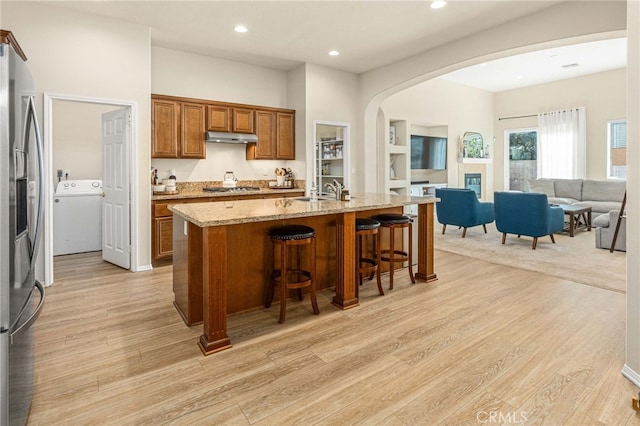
{"x": 367, "y": 265}
{"x": 288, "y": 277}
{"x": 393, "y": 221}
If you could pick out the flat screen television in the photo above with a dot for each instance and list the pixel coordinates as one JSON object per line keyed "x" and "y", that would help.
{"x": 428, "y": 152}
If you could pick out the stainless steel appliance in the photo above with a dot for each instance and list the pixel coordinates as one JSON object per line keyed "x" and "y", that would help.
{"x": 21, "y": 218}
{"x": 229, "y": 189}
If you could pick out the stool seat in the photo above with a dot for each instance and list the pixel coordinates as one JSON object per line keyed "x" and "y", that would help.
{"x": 292, "y": 232}
{"x": 364, "y": 224}
{"x": 393, "y": 221}
{"x": 291, "y": 275}
{"x": 392, "y": 218}
{"x": 367, "y": 265}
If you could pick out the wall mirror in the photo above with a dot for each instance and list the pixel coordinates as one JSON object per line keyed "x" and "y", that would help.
{"x": 472, "y": 145}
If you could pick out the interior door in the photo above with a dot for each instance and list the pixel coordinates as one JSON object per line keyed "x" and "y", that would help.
{"x": 116, "y": 216}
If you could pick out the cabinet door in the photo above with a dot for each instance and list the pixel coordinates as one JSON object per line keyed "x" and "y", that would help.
{"x": 218, "y": 118}
{"x": 163, "y": 233}
{"x": 243, "y": 120}
{"x": 192, "y": 131}
{"x": 286, "y": 143}
{"x": 264, "y": 149}
{"x": 164, "y": 128}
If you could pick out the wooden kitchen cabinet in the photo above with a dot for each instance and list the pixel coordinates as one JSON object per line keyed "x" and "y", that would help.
{"x": 266, "y": 128}
{"x": 179, "y": 124}
{"x": 276, "y": 136}
{"x": 165, "y": 121}
{"x": 162, "y": 220}
{"x": 192, "y": 131}
{"x": 222, "y": 118}
{"x": 177, "y": 129}
{"x": 218, "y": 118}
{"x": 286, "y": 140}
{"x": 243, "y": 120}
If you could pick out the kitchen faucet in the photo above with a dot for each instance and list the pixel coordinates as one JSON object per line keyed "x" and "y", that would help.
{"x": 336, "y": 188}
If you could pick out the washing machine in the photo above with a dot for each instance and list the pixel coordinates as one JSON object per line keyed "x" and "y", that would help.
{"x": 77, "y": 216}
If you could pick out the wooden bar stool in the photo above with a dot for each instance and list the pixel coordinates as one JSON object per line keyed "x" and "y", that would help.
{"x": 288, "y": 277}
{"x": 367, "y": 265}
{"x": 393, "y": 221}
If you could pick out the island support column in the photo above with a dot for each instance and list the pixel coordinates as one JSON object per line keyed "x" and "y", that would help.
{"x": 214, "y": 280}
{"x": 345, "y": 297}
{"x": 426, "y": 270}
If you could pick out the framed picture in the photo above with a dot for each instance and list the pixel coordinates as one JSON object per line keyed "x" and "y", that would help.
{"x": 392, "y": 135}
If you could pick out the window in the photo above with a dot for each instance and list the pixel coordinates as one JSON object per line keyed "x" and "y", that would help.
{"x": 617, "y": 149}
{"x": 522, "y": 148}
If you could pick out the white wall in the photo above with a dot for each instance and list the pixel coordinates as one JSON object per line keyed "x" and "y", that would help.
{"x": 77, "y": 139}
{"x": 189, "y": 75}
{"x": 565, "y": 23}
{"x": 632, "y": 358}
{"x": 460, "y": 108}
{"x": 603, "y": 95}
{"x": 78, "y": 54}
{"x": 331, "y": 95}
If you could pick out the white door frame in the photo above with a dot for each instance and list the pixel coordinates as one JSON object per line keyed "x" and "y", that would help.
{"x": 48, "y": 174}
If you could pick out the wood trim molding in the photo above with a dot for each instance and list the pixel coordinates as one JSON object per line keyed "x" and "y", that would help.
{"x": 219, "y": 103}
{"x": 7, "y": 37}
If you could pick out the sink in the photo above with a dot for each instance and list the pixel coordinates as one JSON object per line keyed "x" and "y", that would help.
{"x": 321, "y": 198}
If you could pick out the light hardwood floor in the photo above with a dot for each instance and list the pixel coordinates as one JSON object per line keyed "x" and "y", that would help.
{"x": 485, "y": 344}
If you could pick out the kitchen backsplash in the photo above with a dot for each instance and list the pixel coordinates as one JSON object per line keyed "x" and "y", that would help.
{"x": 195, "y": 186}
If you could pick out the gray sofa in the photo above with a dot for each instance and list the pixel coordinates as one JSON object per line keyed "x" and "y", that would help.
{"x": 601, "y": 195}
{"x": 605, "y": 225}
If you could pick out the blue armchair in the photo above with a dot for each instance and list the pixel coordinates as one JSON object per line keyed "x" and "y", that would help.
{"x": 527, "y": 213}
{"x": 460, "y": 207}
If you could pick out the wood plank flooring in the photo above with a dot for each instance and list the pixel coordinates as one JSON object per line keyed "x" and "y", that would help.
{"x": 485, "y": 344}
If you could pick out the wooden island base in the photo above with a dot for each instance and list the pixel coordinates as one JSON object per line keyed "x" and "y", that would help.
{"x": 220, "y": 270}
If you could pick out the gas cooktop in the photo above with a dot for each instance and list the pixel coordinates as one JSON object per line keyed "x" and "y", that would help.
{"x": 236, "y": 189}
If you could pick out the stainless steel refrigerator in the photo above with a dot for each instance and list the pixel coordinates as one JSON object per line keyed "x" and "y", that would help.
{"x": 21, "y": 218}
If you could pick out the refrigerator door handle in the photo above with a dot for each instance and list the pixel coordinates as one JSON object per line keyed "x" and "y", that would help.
{"x": 34, "y": 315}
{"x": 32, "y": 117}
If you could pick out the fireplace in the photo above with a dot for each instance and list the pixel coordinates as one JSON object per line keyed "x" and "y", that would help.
{"x": 473, "y": 181}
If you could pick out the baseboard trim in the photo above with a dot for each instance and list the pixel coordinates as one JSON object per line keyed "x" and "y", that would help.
{"x": 141, "y": 268}
{"x": 630, "y": 374}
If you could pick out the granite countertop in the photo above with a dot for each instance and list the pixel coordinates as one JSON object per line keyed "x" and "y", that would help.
{"x": 246, "y": 211}
{"x": 199, "y": 193}
{"x": 194, "y": 190}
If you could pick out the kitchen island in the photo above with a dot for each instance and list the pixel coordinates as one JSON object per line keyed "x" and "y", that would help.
{"x": 223, "y": 256}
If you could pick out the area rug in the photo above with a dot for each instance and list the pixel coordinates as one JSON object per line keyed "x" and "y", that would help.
{"x": 575, "y": 259}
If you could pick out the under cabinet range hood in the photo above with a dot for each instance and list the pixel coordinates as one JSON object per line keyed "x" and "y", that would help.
{"x": 223, "y": 137}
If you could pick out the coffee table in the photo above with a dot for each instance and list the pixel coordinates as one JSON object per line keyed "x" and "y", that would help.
{"x": 578, "y": 216}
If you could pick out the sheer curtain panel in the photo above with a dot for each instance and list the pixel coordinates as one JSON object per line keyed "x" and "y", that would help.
{"x": 562, "y": 145}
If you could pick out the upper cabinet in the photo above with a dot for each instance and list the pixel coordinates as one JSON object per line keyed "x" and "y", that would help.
{"x": 165, "y": 128}
{"x": 221, "y": 118}
{"x": 276, "y": 136}
{"x": 178, "y": 127}
{"x": 218, "y": 118}
{"x": 286, "y": 130}
{"x": 242, "y": 120}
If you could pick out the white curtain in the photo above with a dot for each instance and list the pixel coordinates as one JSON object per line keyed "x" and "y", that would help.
{"x": 562, "y": 144}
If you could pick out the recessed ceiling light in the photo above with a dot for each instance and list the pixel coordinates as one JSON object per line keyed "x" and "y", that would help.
{"x": 438, "y": 4}
{"x": 240, "y": 29}
{"x": 334, "y": 53}
{"x": 484, "y": 64}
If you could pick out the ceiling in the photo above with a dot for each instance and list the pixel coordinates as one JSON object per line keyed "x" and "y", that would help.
{"x": 368, "y": 33}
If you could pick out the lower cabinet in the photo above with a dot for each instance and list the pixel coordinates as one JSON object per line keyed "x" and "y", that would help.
{"x": 162, "y": 221}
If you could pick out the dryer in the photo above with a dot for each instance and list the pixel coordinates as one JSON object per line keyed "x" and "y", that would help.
{"x": 77, "y": 216}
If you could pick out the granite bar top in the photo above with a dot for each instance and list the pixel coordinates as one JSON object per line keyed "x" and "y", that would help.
{"x": 246, "y": 211}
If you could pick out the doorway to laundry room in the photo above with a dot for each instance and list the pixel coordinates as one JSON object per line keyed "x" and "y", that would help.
{"x": 89, "y": 145}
